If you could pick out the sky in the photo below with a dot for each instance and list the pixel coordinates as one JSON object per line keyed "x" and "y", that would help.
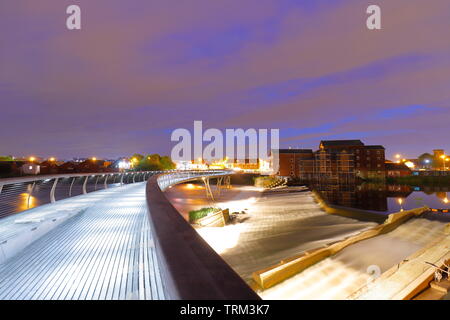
{"x": 139, "y": 69}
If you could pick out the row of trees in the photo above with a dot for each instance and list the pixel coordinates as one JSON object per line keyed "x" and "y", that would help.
{"x": 151, "y": 162}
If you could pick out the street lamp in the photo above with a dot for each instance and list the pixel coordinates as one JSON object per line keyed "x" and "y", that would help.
{"x": 400, "y": 202}
{"x": 444, "y": 159}
{"x": 32, "y": 159}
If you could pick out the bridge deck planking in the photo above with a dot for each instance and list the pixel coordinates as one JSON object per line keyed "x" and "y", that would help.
{"x": 107, "y": 252}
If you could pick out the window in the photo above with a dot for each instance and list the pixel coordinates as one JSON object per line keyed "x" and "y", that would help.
{"x": 379, "y": 165}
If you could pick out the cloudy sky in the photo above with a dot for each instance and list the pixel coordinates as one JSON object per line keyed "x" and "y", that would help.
{"x": 139, "y": 69}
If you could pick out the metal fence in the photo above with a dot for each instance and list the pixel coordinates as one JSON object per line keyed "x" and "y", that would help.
{"x": 23, "y": 193}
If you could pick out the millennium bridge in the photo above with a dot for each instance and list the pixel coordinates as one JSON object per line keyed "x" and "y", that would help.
{"x": 106, "y": 236}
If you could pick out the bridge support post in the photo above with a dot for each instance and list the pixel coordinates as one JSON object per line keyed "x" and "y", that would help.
{"x": 219, "y": 185}
{"x": 96, "y": 180}
{"x": 1, "y": 188}
{"x": 227, "y": 182}
{"x": 52, "y": 192}
{"x": 121, "y": 179}
{"x": 209, "y": 193}
{"x": 71, "y": 185}
{"x": 84, "y": 185}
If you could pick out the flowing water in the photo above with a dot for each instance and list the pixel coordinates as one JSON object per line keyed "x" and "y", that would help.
{"x": 343, "y": 274}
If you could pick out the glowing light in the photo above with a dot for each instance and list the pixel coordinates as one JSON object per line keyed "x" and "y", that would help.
{"x": 26, "y": 202}
{"x": 222, "y": 239}
{"x": 124, "y": 165}
{"x": 398, "y": 156}
{"x": 190, "y": 186}
{"x": 445, "y": 200}
{"x": 400, "y": 201}
{"x": 94, "y": 159}
{"x": 32, "y": 159}
{"x": 52, "y": 159}
{"x": 409, "y": 164}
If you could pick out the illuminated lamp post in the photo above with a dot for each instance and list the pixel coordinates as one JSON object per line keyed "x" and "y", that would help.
{"x": 444, "y": 159}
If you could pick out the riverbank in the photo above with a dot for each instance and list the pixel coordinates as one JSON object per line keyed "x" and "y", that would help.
{"x": 421, "y": 180}
{"x": 275, "y": 225}
{"x": 352, "y": 270}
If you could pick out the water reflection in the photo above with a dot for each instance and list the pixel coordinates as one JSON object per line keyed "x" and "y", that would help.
{"x": 26, "y": 201}
{"x": 384, "y": 197}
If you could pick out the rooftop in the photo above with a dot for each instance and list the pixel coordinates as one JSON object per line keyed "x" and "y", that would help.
{"x": 337, "y": 143}
{"x": 295, "y": 150}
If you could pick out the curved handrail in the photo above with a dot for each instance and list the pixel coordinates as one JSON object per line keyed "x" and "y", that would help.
{"x": 9, "y": 192}
{"x": 6, "y": 181}
{"x": 189, "y": 267}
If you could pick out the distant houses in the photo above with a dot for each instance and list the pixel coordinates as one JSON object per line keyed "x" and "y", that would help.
{"x": 19, "y": 168}
{"x": 30, "y": 168}
{"x": 396, "y": 170}
{"x": 11, "y": 168}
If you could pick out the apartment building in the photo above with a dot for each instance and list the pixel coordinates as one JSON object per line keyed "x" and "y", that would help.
{"x": 296, "y": 163}
{"x": 339, "y": 160}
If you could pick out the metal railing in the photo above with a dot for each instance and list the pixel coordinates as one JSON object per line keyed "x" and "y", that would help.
{"x": 190, "y": 268}
{"x": 23, "y": 193}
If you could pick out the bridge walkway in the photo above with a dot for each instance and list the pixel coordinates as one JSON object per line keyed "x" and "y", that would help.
{"x": 104, "y": 252}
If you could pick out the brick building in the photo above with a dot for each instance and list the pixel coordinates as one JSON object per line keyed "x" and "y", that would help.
{"x": 339, "y": 160}
{"x": 368, "y": 161}
{"x": 296, "y": 163}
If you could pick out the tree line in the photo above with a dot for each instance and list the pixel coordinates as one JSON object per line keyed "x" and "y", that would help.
{"x": 151, "y": 162}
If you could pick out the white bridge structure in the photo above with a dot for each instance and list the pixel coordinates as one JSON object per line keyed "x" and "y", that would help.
{"x": 106, "y": 236}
